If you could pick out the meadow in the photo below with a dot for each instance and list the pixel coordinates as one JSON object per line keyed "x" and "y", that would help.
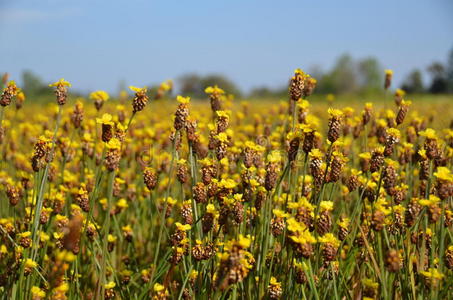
{"x": 144, "y": 196}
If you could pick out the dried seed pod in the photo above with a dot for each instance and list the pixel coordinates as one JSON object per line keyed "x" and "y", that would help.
{"x": 222, "y": 121}
{"x": 309, "y": 141}
{"x": 394, "y": 261}
{"x": 402, "y": 112}
{"x": 182, "y": 171}
{"x": 388, "y": 79}
{"x": 378, "y": 220}
{"x": 77, "y": 115}
{"x": 449, "y": 257}
{"x": 200, "y": 193}
{"x": 61, "y": 91}
{"x": 334, "y": 130}
{"x": 329, "y": 252}
{"x": 113, "y": 155}
{"x": 182, "y": 113}
{"x": 82, "y": 199}
{"x": 293, "y": 148}
{"x": 324, "y": 223}
{"x": 140, "y": 99}
{"x": 13, "y": 193}
{"x": 377, "y": 159}
{"x": 187, "y": 213}
{"x": 392, "y": 137}
{"x": 389, "y": 177}
{"x": 274, "y": 289}
{"x": 296, "y": 85}
{"x": 413, "y": 209}
{"x": 215, "y": 93}
{"x": 150, "y": 178}
{"x": 8, "y": 93}
{"x": 277, "y": 226}
{"x": 309, "y": 86}
{"x": 336, "y": 166}
{"x": 207, "y": 222}
{"x": 367, "y": 113}
{"x": 316, "y": 166}
{"x": 271, "y": 176}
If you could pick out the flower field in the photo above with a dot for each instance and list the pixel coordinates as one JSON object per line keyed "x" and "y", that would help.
{"x": 147, "y": 197}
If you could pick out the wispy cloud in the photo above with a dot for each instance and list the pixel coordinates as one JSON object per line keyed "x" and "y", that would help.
{"x": 20, "y": 16}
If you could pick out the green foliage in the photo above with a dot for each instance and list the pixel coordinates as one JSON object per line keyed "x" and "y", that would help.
{"x": 33, "y": 85}
{"x": 414, "y": 83}
{"x": 193, "y": 85}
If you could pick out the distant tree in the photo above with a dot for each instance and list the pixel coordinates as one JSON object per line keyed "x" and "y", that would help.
{"x": 32, "y": 84}
{"x": 190, "y": 85}
{"x": 265, "y": 92}
{"x": 343, "y": 78}
{"x": 194, "y": 85}
{"x": 413, "y": 82}
{"x": 369, "y": 75}
{"x": 439, "y": 82}
{"x": 261, "y": 92}
{"x": 450, "y": 71}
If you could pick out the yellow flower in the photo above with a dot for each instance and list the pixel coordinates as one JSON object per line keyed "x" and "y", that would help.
{"x": 166, "y": 85}
{"x": 330, "y": 97}
{"x": 406, "y": 103}
{"x": 400, "y": 92}
{"x": 432, "y": 273}
{"x": 344, "y": 222}
{"x": 370, "y": 283}
{"x": 222, "y": 114}
{"x": 210, "y": 208}
{"x": 214, "y": 90}
{"x": 111, "y": 238}
{"x": 63, "y": 288}
{"x": 110, "y": 285}
{"x": 433, "y": 200}
{"x": 122, "y": 203}
{"x": 394, "y": 132}
{"x": 274, "y": 157}
{"x": 183, "y": 100}
{"x": 222, "y": 137}
{"x": 181, "y": 227}
{"x": 25, "y": 234}
{"x": 137, "y": 89}
{"x": 335, "y": 112}
{"x": 193, "y": 274}
{"x": 244, "y": 241}
{"x": 106, "y": 119}
{"x": 99, "y": 95}
{"x": 158, "y": 287}
{"x": 326, "y": 205}
{"x": 444, "y": 173}
{"x": 29, "y": 263}
{"x": 316, "y": 153}
{"x": 329, "y": 238}
{"x": 274, "y": 282}
{"x": 37, "y": 292}
{"x": 279, "y": 213}
{"x": 20, "y": 96}
{"x": 429, "y": 133}
{"x": 60, "y": 82}
{"x": 114, "y": 143}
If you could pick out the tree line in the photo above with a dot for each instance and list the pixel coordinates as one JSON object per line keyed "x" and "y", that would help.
{"x": 347, "y": 76}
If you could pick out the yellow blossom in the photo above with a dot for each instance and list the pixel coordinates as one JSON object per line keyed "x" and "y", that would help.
{"x": 99, "y": 96}
{"x": 60, "y": 82}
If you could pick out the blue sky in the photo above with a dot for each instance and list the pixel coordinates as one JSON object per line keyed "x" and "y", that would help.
{"x": 95, "y": 44}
